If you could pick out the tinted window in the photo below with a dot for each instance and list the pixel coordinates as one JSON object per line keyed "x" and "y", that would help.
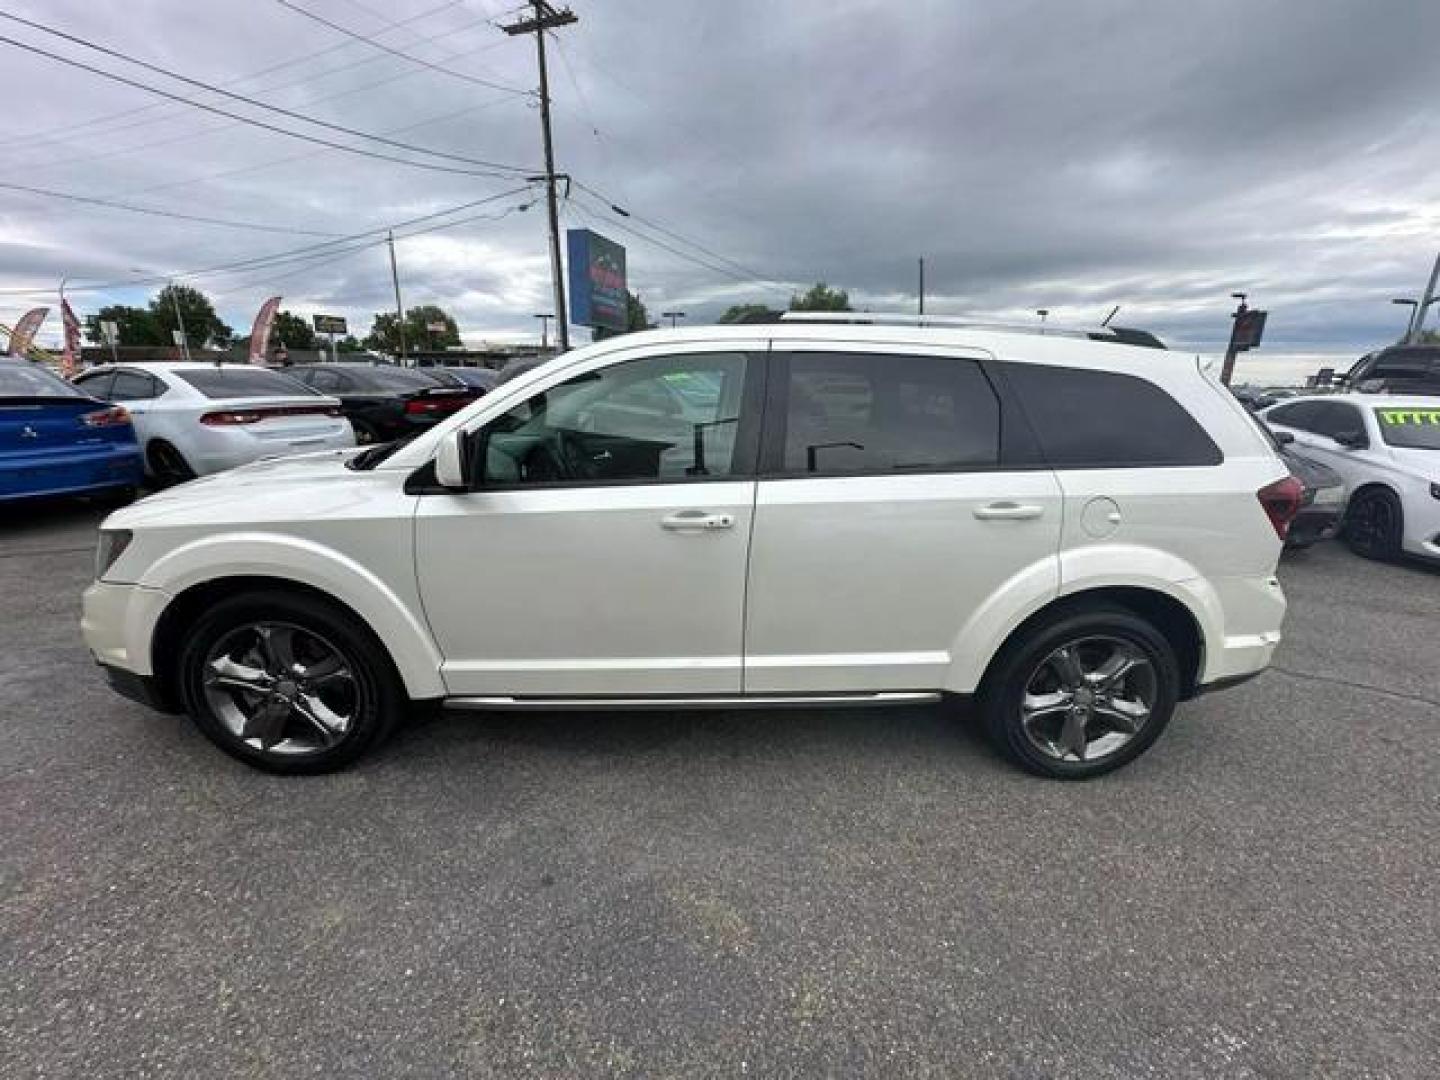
{"x": 870, "y": 412}
{"x": 1403, "y": 364}
{"x": 1303, "y": 416}
{"x": 632, "y": 421}
{"x": 132, "y": 386}
{"x": 97, "y": 385}
{"x": 1415, "y": 429}
{"x": 33, "y": 380}
{"x": 1092, "y": 419}
{"x": 1335, "y": 417}
{"x": 240, "y": 380}
{"x": 390, "y": 378}
{"x": 325, "y": 381}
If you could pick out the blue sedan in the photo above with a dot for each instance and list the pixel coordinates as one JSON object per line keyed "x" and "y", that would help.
{"x": 56, "y": 440}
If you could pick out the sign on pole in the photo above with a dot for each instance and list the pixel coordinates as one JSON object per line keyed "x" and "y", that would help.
{"x": 436, "y": 327}
{"x": 110, "y": 331}
{"x": 597, "y": 280}
{"x": 330, "y": 324}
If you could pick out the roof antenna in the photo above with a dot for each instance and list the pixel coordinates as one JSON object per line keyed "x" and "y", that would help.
{"x": 1113, "y": 312}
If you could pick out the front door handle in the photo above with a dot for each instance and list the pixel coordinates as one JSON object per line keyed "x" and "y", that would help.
{"x": 1008, "y": 511}
{"x": 697, "y": 521}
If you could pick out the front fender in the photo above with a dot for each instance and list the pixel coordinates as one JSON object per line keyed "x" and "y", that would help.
{"x": 291, "y": 558}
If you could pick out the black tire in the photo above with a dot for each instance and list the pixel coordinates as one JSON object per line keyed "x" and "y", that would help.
{"x": 1375, "y": 524}
{"x": 366, "y": 434}
{"x": 1025, "y": 659}
{"x": 167, "y": 464}
{"x": 377, "y": 699}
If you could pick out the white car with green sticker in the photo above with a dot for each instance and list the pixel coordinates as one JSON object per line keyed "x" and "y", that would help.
{"x": 1386, "y": 447}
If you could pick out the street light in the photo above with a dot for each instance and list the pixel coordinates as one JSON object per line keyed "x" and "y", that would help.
{"x": 672, "y": 316}
{"x": 1044, "y": 314}
{"x": 1414, "y": 306}
{"x": 544, "y": 329}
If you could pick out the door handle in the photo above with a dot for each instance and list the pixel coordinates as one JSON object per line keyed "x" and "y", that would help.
{"x": 697, "y": 521}
{"x": 1008, "y": 511}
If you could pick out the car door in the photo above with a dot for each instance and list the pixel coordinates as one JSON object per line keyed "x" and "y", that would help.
{"x": 1314, "y": 424}
{"x": 602, "y": 548}
{"x": 884, "y": 518}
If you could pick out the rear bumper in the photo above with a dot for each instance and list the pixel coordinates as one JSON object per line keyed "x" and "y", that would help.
{"x": 216, "y": 450}
{"x": 34, "y": 476}
{"x": 1252, "y": 611}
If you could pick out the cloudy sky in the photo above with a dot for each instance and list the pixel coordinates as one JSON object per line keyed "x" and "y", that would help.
{"x": 1153, "y": 154}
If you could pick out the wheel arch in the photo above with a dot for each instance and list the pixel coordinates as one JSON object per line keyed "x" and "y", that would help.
{"x": 203, "y": 572}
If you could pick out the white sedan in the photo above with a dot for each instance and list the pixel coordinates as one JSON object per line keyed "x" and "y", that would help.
{"x": 1387, "y": 450}
{"x": 196, "y": 418}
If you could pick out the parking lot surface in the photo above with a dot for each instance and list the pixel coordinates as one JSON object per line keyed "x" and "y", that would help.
{"x": 748, "y": 893}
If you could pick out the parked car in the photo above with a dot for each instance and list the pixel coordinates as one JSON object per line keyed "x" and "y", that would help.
{"x": 1398, "y": 369}
{"x": 1322, "y": 503}
{"x": 478, "y": 380}
{"x": 194, "y": 419}
{"x": 1075, "y": 534}
{"x": 1387, "y": 451}
{"x": 384, "y": 402}
{"x": 57, "y": 440}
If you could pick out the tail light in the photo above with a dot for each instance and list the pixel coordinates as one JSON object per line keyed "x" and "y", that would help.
{"x": 238, "y": 417}
{"x": 1281, "y": 501}
{"x": 115, "y": 416}
{"x": 428, "y": 406}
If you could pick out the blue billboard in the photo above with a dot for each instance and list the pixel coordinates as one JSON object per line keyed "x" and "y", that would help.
{"x": 597, "y": 280}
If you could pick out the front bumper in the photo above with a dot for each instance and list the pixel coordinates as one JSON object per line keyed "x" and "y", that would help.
{"x": 115, "y": 622}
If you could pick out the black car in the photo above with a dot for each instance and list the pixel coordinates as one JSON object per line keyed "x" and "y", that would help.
{"x": 1322, "y": 503}
{"x": 1398, "y": 369}
{"x": 383, "y": 402}
{"x": 478, "y": 380}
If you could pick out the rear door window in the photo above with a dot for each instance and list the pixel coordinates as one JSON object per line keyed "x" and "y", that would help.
{"x": 1103, "y": 419}
{"x": 861, "y": 413}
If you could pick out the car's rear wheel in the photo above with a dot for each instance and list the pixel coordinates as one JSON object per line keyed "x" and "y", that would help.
{"x": 1081, "y": 694}
{"x": 168, "y": 465}
{"x": 1374, "y": 524}
{"x": 287, "y": 683}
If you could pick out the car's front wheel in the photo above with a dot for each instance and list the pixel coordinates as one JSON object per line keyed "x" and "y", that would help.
{"x": 287, "y": 683}
{"x": 1375, "y": 524}
{"x": 1082, "y": 693}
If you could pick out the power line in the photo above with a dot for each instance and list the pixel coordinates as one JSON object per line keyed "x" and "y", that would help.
{"x": 401, "y": 53}
{"x": 49, "y": 134}
{"x": 255, "y": 226}
{"x": 247, "y": 100}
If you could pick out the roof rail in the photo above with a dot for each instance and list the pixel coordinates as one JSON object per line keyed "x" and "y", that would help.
{"x": 886, "y": 318}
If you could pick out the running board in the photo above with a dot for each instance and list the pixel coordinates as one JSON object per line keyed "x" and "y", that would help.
{"x": 734, "y": 701}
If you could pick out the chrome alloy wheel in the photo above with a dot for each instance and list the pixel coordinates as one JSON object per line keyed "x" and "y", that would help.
{"x": 282, "y": 689}
{"x": 1088, "y": 698}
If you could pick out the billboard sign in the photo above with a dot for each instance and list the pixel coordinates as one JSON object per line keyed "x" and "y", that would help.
{"x": 330, "y": 324}
{"x": 1249, "y": 329}
{"x": 597, "y": 280}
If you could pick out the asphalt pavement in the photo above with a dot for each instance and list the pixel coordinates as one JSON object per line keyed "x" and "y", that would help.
{"x": 839, "y": 893}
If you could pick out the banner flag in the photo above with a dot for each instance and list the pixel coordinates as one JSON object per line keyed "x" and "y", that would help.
{"x": 70, "y": 355}
{"x": 24, "y": 332}
{"x": 260, "y": 335}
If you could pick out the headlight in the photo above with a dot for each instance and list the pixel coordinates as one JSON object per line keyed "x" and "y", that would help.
{"x": 113, "y": 543}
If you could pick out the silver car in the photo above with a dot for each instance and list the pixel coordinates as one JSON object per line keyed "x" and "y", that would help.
{"x": 196, "y": 418}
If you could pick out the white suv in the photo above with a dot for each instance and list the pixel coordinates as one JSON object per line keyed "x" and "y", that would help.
{"x": 1077, "y": 534}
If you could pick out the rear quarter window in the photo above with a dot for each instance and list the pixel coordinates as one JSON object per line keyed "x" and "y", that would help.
{"x": 1103, "y": 419}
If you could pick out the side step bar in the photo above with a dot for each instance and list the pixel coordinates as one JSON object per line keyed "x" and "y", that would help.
{"x": 734, "y": 701}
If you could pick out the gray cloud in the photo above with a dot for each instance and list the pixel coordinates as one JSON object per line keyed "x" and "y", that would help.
{"x": 1152, "y": 154}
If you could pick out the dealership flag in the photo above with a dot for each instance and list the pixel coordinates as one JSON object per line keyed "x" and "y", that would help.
{"x": 260, "y": 335}
{"x": 24, "y": 332}
{"x": 70, "y": 357}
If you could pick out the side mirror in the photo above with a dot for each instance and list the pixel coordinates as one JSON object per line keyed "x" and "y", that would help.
{"x": 1284, "y": 438}
{"x": 1352, "y": 440}
{"x": 450, "y": 462}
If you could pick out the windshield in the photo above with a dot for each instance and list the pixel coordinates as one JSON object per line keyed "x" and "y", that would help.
{"x": 1413, "y": 429}
{"x": 242, "y": 380}
{"x": 32, "y": 381}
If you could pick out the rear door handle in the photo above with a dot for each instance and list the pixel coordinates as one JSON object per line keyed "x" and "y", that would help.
{"x": 1008, "y": 511}
{"x": 696, "y": 521}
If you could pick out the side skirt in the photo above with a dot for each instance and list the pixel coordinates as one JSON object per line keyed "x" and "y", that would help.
{"x": 703, "y": 701}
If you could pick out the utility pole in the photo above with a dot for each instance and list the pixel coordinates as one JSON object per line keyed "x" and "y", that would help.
{"x": 544, "y": 18}
{"x": 184, "y": 340}
{"x": 399, "y": 308}
{"x": 922, "y": 284}
{"x": 1417, "y": 327}
{"x": 544, "y": 331}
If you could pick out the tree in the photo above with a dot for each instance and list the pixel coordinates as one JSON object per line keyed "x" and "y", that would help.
{"x": 137, "y": 326}
{"x": 292, "y": 331}
{"x": 744, "y": 313}
{"x": 202, "y": 326}
{"x": 384, "y": 333}
{"x": 636, "y": 318}
{"x": 821, "y": 298}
